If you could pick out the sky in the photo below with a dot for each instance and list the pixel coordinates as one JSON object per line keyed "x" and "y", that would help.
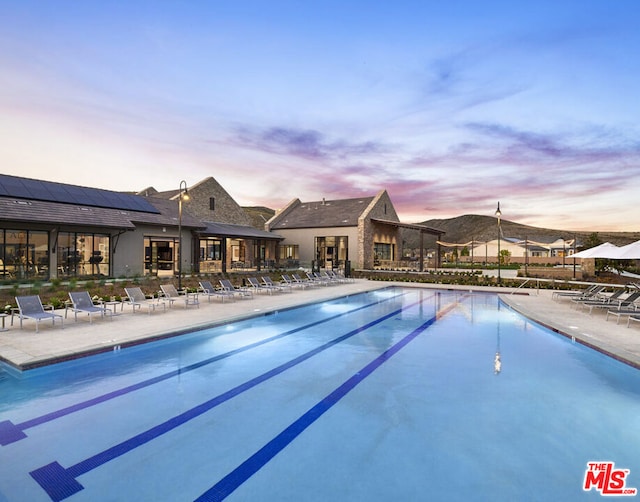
{"x": 449, "y": 106}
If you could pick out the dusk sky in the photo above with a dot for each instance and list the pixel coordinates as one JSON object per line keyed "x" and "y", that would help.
{"x": 449, "y": 106}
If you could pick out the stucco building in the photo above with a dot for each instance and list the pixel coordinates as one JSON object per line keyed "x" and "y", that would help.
{"x": 358, "y": 232}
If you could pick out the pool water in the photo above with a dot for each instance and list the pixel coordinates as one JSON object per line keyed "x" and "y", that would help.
{"x": 388, "y": 395}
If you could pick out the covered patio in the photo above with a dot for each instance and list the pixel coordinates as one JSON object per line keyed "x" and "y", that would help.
{"x": 225, "y": 247}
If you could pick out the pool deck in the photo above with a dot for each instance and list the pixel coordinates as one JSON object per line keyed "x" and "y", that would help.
{"x": 25, "y": 349}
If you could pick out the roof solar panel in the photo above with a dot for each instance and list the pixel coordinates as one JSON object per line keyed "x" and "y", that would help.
{"x": 26, "y": 188}
{"x": 38, "y": 190}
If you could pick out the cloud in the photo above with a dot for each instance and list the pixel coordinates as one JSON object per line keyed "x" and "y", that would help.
{"x": 304, "y": 143}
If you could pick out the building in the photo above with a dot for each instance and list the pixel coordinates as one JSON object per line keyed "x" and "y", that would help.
{"x": 360, "y": 232}
{"x": 50, "y": 230}
{"x": 521, "y": 251}
{"x": 56, "y": 230}
{"x": 227, "y": 240}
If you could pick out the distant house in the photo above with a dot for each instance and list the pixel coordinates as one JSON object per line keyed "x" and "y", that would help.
{"x": 520, "y": 249}
{"x": 362, "y": 231}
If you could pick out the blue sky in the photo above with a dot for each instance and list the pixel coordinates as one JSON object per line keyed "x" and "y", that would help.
{"x": 449, "y": 106}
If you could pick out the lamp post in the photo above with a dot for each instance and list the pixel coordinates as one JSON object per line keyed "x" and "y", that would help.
{"x": 574, "y": 252}
{"x": 497, "y": 359}
{"x": 182, "y": 196}
{"x": 498, "y": 214}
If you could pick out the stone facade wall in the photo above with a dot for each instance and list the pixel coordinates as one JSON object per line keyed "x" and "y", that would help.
{"x": 226, "y": 210}
{"x": 380, "y": 208}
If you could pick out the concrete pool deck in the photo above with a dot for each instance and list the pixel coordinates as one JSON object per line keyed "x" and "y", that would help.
{"x": 25, "y": 349}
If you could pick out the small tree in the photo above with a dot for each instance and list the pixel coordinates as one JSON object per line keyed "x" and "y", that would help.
{"x": 505, "y": 256}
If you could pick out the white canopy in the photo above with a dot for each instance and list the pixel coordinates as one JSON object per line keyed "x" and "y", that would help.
{"x": 628, "y": 252}
{"x": 605, "y": 250}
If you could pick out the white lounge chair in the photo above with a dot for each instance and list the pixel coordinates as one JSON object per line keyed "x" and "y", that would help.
{"x": 30, "y": 307}
{"x": 172, "y": 295}
{"x": 81, "y": 302}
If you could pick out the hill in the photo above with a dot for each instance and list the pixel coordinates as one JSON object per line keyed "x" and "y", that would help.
{"x": 484, "y": 228}
{"x": 259, "y": 215}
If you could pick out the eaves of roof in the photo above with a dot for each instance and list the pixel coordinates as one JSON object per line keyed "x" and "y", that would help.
{"x": 411, "y": 226}
{"x": 238, "y": 231}
{"x": 54, "y": 213}
{"x": 35, "y": 211}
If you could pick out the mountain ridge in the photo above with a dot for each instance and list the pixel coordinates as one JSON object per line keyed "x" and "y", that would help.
{"x": 476, "y": 227}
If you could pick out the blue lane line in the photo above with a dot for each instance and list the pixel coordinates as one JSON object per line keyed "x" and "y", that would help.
{"x": 253, "y": 464}
{"x": 10, "y": 432}
{"x": 60, "y": 483}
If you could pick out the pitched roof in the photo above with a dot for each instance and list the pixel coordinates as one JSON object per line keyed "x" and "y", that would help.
{"x": 20, "y": 210}
{"x": 324, "y": 213}
{"x": 55, "y": 213}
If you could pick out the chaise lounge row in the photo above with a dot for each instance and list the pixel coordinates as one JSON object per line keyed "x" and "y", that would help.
{"x": 31, "y": 307}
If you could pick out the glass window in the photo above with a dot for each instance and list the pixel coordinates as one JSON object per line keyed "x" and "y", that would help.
{"x": 332, "y": 251}
{"x": 24, "y": 254}
{"x": 160, "y": 256}
{"x": 383, "y": 251}
{"x": 82, "y": 254}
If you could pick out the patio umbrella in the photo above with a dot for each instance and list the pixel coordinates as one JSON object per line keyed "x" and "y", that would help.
{"x": 606, "y": 250}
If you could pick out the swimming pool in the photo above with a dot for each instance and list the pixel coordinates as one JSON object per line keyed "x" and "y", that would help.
{"x": 388, "y": 395}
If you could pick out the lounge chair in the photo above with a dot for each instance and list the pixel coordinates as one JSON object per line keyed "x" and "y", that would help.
{"x": 206, "y": 288}
{"x": 573, "y": 294}
{"x": 316, "y": 279}
{"x": 30, "y": 307}
{"x": 600, "y": 301}
{"x": 137, "y": 300}
{"x": 171, "y": 295}
{"x": 242, "y": 292}
{"x": 618, "y": 303}
{"x": 618, "y": 313}
{"x": 324, "y": 277}
{"x": 293, "y": 283}
{"x": 259, "y": 288}
{"x": 329, "y": 276}
{"x": 591, "y": 294}
{"x": 335, "y": 277}
{"x": 282, "y": 286}
{"x": 300, "y": 280}
{"x": 633, "y": 317}
{"x": 630, "y": 306}
{"x": 342, "y": 277}
{"x": 81, "y": 302}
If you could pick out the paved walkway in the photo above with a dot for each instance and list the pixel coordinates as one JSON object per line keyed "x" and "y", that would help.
{"x": 26, "y": 349}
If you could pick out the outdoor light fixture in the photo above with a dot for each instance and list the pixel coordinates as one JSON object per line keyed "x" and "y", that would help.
{"x": 498, "y": 214}
{"x": 183, "y": 196}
